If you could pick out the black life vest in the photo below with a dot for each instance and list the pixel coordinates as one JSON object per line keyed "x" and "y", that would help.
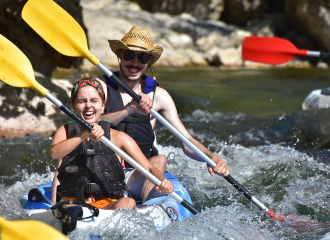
{"x": 137, "y": 126}
{"x": 91, "y": 168}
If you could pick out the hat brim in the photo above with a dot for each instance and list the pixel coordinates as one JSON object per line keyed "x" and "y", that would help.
{"x": 156, "y": 51}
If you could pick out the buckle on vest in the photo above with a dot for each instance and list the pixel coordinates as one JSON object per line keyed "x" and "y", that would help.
{"x": 90, "y": 187}
{"x": 88, "y": 152}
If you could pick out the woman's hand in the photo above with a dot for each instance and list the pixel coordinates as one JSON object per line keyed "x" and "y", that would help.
{"x": 165, "y": 187}
{"x": 97, "y": 132}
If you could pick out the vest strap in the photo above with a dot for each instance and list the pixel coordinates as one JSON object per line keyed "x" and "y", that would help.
{"x": 70, "y": 202}
{"x": 145, "y": 148}
{"x": 134, "y": 120}
{"x": 110, "y": 187}
{"x": 112, "y": 84}
{"x": 113, "y": 189}
{"x": 150, "y": 84}
{"x": 88, "y": 152}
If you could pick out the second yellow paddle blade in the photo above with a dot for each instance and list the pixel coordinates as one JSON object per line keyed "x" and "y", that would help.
{"x": 58, "y": 28}
{"x": 15, "y": 68}
{"x": 28, "y": 230}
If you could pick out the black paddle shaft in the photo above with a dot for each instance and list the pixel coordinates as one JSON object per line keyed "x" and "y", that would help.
{"x": 77, "y": 118}
{"x": 190, "y": 207}
{"x": 125, "y": 88}
{"x": 325, "y": 55}
{"x": 239, "y": 187}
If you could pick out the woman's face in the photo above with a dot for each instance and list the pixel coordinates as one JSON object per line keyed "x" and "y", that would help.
{"x": 88, "y": 104}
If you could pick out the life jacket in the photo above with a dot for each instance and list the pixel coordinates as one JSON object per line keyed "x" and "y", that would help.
{"x": 91, "y": 168}
{"x": 136, "y": 125}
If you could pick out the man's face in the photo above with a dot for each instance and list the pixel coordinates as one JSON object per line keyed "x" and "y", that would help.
{"x": 134, "y": 63}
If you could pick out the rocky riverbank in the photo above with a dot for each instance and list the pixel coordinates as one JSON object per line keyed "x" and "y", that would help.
{"x": 190, "y": 38}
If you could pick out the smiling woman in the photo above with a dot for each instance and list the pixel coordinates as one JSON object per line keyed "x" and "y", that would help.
{"x": 87, "y": 162}
{"x": 87, "y": 98}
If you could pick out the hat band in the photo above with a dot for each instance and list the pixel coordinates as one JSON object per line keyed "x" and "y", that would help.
{"x": 137, "y": 46}
{"x": 87, "y": 82}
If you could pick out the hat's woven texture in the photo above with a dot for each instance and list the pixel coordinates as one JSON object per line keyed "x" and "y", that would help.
{"x": 137, "y": 40}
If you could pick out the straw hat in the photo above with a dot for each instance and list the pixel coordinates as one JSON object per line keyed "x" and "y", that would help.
{"x": 137, "y": 40}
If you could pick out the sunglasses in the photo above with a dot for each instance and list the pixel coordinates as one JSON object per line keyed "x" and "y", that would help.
{"x": 142, "y": 57}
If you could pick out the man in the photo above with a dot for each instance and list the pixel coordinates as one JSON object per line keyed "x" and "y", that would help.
{"x": 136, "y": 52}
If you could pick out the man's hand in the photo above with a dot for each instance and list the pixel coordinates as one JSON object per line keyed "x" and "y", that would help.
{"x": 144, "y": 106}
{"x": 221, "y": 168}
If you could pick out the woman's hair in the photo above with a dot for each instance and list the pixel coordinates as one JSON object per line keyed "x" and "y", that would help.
{"x": 87, "y": 80}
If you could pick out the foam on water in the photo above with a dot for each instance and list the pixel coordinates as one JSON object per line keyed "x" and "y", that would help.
{"x": 9, "y": 196}
{"x": 233, "y": 222}
{"x": 289, "y": 182}
{"x": 123, "y": 224}
{"x": 284, "y": 179}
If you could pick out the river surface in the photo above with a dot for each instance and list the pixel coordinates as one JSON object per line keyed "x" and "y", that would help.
{"x": 250, "y": 118}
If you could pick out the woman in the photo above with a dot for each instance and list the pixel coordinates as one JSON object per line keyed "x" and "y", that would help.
{"x": 88, "y": 170}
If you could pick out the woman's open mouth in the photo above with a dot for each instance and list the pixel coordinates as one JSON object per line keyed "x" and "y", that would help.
{"x": 88, "y": 115}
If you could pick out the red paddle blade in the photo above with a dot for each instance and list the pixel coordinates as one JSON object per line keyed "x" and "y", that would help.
{"x": 273, "y": 215}
{"x": 271, "y": 50}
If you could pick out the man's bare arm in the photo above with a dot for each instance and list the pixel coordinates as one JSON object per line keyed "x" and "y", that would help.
{"x": 117, "y": 116}
{"x": 163, "y": 103}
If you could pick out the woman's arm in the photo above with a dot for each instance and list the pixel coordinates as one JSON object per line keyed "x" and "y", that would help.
{"x": 62, "y": 145}
{"x": 55, "y": 182}
{"x": 128, "y": 145}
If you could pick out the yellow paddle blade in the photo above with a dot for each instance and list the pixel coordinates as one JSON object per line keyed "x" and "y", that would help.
{"x": 58, "y": 28}
{"x": 28, "y": 230}
{"x": 16, "y": 69}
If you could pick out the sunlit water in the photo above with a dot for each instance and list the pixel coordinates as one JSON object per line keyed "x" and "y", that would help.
{"x": 249, "y": 119}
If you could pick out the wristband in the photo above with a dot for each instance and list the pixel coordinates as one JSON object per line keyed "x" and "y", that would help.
{"x": 129, "y": 109}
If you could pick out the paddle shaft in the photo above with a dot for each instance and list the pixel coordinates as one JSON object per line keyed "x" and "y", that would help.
{"x": 184, "y": 139}
{"x": 308, "y": 53}
{"x": 121, "y": 153}
{"x": 318, "y": 54}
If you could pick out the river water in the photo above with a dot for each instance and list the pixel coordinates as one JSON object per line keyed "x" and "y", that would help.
{"x": 250, "y": 118}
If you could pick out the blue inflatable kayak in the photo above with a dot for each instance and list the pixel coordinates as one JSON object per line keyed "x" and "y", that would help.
{"x": 163, "y": 210}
